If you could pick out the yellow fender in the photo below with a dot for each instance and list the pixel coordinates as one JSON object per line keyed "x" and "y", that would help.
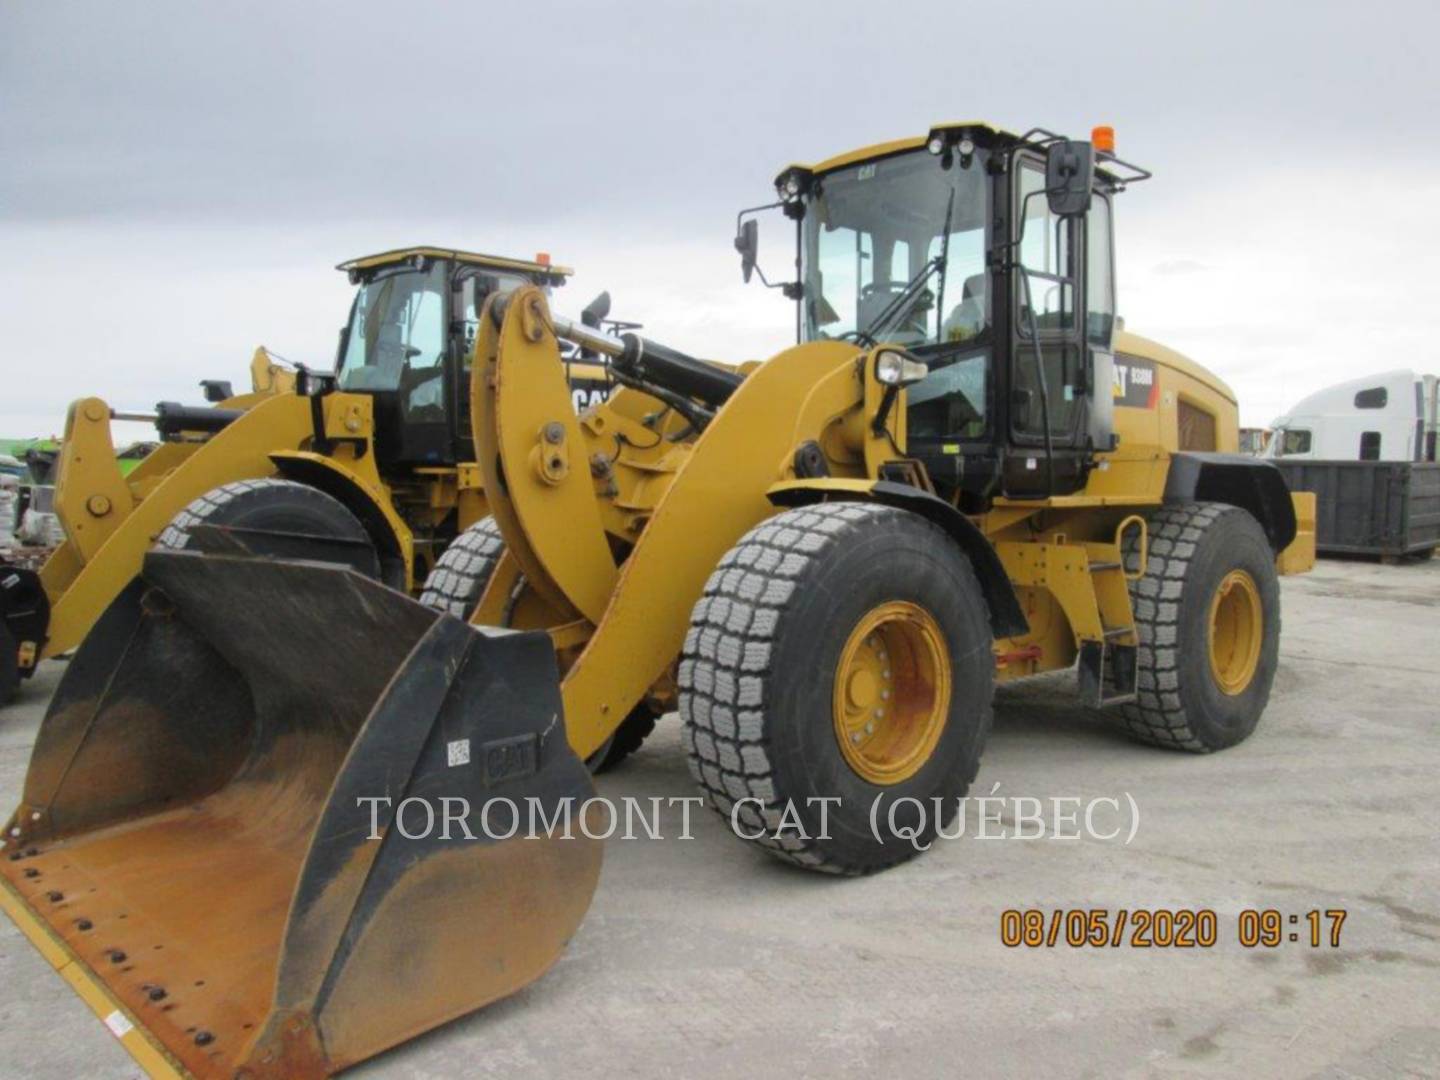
{"x": 1007, "y": 617}
{"x": 364, "y": 494}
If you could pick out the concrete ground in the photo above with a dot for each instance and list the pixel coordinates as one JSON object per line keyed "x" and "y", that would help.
{"x": 705, "y": 958}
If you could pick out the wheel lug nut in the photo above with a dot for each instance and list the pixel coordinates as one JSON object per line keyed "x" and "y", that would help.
{"x": 884, "y": 694}
{"x": 855, "y": 737}
{"x": 870, "y": 728}
{"x": 879, "y": 713}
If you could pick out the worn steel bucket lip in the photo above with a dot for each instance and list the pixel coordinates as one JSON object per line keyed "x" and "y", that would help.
{"x": 147, "y": 1051}
{"x": 441, "y": 669}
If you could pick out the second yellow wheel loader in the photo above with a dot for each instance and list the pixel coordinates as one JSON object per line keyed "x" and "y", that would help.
{"x": 280, "y": 817}
{"x": 371, "y": 464}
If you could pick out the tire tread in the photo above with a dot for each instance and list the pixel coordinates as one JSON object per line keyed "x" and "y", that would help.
{"x": 459, "y": 576}
{"x": 1157, "y": 715}
{"x": 198, "y": 511}
{"x": 725, "y": 666}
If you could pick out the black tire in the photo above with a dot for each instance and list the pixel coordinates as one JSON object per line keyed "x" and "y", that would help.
{"x": 9, "y": 667}
{"x": 628, "y": 737}
{"x": 461, "y": 573}
{"x": 1180, "y": 705}
{"x": 758, "y": 669}
{"x": 270, "y": 503}
{"x": 455, "y": 586}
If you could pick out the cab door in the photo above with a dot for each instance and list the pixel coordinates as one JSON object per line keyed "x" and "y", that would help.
{"x": 1062, "y": 326}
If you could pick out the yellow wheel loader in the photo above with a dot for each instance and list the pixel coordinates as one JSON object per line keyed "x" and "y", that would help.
{"x": 371, "y": 464}
{"x": 276, "y": 817}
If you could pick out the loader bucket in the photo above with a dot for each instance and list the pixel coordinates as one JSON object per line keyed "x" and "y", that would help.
{"x": 196, "y": 851}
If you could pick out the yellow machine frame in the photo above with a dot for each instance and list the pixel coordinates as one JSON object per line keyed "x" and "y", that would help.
{"x": 599, "y": 513}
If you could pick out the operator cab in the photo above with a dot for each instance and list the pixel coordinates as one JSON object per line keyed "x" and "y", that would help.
{"x": 409, "y": 339}
{"x": 989, "y": 257}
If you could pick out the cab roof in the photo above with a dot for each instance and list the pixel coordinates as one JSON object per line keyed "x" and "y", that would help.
{"x": 552, "y": 274}
{"x": 896, "y": 146}
{"x": 982, "y": 131}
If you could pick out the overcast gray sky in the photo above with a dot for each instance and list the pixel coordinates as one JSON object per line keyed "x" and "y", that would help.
{"x": 177, "y": 180}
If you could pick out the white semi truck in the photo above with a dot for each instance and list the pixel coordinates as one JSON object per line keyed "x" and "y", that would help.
{"x": 1390, "y": 416}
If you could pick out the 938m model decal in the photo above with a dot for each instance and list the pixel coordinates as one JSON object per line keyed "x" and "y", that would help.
{"x": 1135, "y": 385}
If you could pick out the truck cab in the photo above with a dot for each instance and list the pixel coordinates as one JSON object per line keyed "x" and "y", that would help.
{"x": 1387, "y": 416}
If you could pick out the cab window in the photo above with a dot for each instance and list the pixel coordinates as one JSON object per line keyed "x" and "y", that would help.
{"x": 1294, "y": 441}
{"x": 1045, "y": 255}
{"x": 949, "y": 403}
{"x": 871, "y": 239}
{"x": 475, "y": 286}
{"x": 1045, "y": 307}
{"x": 1099, "y": 275}
{"x": 397, "y": 328}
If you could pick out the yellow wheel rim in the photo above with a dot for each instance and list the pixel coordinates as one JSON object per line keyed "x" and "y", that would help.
{"x": 892, "y": 692}
{"x": 1237, "y": 623}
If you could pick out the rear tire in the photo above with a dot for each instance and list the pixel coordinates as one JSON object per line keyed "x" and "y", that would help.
{"x": 1199, "y": 690}
{"x": 765, "y": 684}
{"x": 269, "y": 503}
{"x": 455, "y": 587}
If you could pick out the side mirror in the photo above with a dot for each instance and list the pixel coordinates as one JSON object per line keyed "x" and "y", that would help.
{"x": 1069, "y": 177}
{"x": 747, "y": 243}
{"x": 595, "y": 312}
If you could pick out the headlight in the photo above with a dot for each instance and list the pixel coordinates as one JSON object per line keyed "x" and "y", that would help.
{"x": 894, "y": 368}
{"x": 791, "y": 184}
{"x": 936, "y": 145}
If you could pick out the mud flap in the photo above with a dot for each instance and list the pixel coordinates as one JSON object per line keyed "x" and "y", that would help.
{"x": 284, "y": 817}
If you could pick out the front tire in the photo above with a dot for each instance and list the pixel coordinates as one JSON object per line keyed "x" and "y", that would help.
{"x": 1207, "y": 611}
{"x": 284, "y": 507}
{"x": 840, "y": 651}
{"x": 463, "y": 570}
{"x": 456, "y": 585}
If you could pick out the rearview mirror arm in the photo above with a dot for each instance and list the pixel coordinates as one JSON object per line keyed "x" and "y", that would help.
{"x": 792, "y": 289}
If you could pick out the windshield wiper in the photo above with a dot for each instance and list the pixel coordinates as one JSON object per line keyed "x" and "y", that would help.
{"x": 944, "y": 265}
{"x": 901, "y": 303}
